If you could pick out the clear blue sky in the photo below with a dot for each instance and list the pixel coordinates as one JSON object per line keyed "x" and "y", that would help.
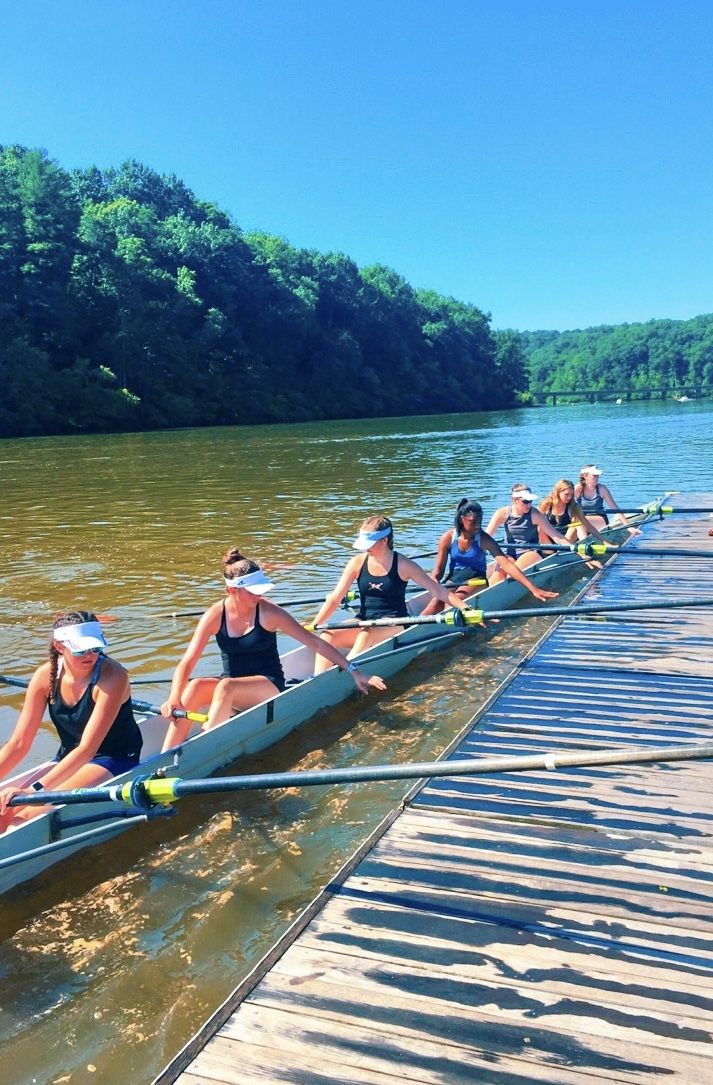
{"x": 550, "y": 161}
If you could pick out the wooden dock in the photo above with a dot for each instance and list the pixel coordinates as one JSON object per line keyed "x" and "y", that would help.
{"x": 552, "y": 927}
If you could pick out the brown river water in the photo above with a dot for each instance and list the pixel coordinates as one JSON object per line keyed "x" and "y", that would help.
{"x": 112, "y": 960}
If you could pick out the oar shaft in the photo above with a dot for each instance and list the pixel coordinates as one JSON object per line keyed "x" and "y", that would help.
{"x": 598, "y": 550}
{"x": 596, "y": 608}
{"x": 667, "y": 510}
{"x": 376, "y": 623}
{"x": 160, "y": 790}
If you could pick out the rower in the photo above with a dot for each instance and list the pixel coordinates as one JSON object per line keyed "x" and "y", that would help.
{"x": 565, "y": 514}
{"x": 464, "y": 548}
{"x": 381, "y": 575}
{"x": 522, "y": 525}
{"x": 245, "y": 627}
{"x": 594, "y": 497}
{"x": 88, "y": 699}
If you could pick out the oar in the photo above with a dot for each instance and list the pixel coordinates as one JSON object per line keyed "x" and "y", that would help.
{"x": 350, "y": 597}
{"x": 147, "y": 791}
{"x": 666, "y": 510}
{"x": 140, "y": 706}
{"x": 471, "y": 617}
{"x": 591, "y": 550}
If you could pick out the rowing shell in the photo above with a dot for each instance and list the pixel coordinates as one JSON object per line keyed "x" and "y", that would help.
{"x": 28, "y": 849}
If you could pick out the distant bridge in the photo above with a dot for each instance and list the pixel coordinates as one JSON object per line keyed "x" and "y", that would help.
{"x": 625, "y": 395}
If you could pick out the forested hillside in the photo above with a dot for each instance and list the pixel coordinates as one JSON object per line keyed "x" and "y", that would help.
{"x": 126, "y": 302}
{"x": 661, "y": 354}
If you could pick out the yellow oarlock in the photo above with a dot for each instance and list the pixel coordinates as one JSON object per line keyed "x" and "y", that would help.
{"x": 463, "y": 617}
{"x": 589, "y": 550}
{"x": 160, "y": 790}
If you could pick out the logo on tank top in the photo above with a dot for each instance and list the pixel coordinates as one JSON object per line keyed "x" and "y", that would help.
{"x": 375, "y": 587}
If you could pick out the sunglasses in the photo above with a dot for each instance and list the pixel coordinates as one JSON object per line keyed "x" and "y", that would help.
{"x": 86, "y": 651}
{"x": 525, "y": 500}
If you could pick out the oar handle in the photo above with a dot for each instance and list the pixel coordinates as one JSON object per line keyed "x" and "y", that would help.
{"x": 177, "y": 713}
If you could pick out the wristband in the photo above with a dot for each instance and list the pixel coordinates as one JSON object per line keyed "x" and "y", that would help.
{"x": 37, "y": 786}
{"x": 352, "y": 667}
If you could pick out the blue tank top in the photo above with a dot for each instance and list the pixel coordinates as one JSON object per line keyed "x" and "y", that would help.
{"x": 381, "y": 596}
{"x": 473, "y": 559}
{"x": 123, "y": 739}
{"x": 252, "y": 654}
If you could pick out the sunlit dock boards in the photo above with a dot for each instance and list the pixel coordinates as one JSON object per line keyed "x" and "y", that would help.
{"x": 543, "y": 927}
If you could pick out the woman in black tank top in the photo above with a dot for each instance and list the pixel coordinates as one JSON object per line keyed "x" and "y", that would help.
{"x": 522, "y": 524}
{"x": 563, "y": 512}
{"x": 88, "y": 697}
{"x": 594, "y": 498}
{"x": 245, "y": 626}
{"x": 381, "y": 575}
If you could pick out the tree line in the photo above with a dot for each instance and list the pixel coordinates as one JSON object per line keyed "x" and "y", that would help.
{"x": 660, "y": 354}
{"x": 128, "y": 303}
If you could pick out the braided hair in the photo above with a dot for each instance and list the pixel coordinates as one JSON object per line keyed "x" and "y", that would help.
{"x": 72, "y": 617}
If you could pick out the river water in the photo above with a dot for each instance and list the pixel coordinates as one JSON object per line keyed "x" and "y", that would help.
{"x": 112, "y": 962}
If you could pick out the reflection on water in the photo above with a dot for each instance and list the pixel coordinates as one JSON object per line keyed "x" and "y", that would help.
{"x": 113, "y": 961}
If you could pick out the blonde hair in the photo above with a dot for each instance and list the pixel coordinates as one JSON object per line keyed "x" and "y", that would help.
{"x": 562, "y": 484}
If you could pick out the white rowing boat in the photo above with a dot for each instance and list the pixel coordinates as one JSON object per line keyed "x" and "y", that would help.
{"x": 28, "y": 849}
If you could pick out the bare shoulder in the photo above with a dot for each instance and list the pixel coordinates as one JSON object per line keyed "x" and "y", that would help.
{"x": 272, "y": 616}
{"x": 40, "y": 680}
{"x": 211, "y": 618}
{"x": 407, "y": 565}
{"x": 500, "y": 515}
{"x": 487, "y": 542}
{"x": 354, "y": 564}
{"x": 113, "y": 676}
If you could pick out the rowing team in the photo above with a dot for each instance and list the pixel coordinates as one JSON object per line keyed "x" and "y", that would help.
{"x": 87, "y": 694}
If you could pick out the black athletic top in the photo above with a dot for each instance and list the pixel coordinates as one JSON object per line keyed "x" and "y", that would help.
{"x": 123, "y": 739}
{"x": 521, "y": 530}
{"x": 559, "y": 521}
{"x": 594, "y": 505}
{"x": 382, "y": 596}
{"x": 252, "y": 654}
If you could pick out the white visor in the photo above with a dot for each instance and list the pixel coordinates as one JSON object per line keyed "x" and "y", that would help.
{"x": 524, "y": 495}
{"x": 80, "y": 637}
{"x": 366, "y": 539}
{"x": 257, "y": 582}
{"x": 591, "y": 470}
